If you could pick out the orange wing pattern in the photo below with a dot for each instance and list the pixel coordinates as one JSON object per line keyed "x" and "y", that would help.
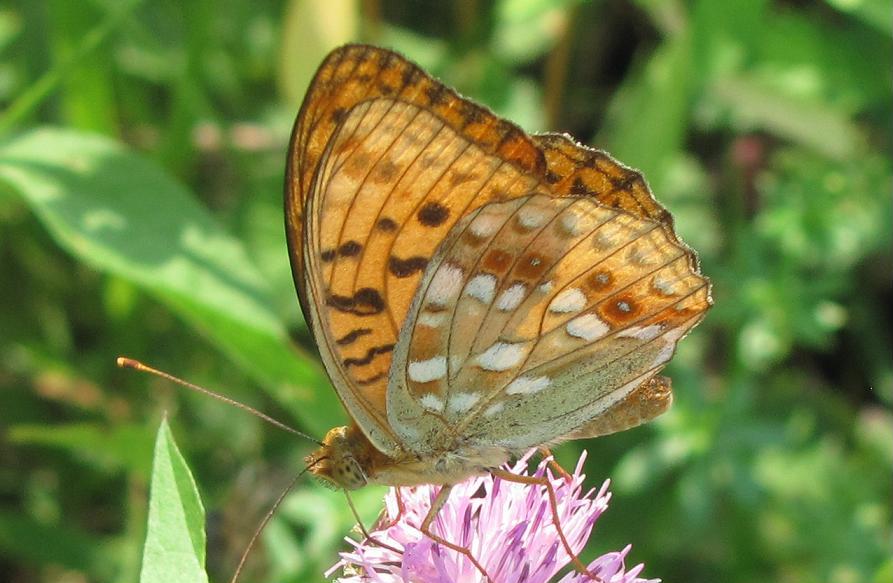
{"x": 384, "y": 163}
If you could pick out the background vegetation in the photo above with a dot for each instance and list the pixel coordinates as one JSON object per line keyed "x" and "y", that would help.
{"x": 142, "y": 147}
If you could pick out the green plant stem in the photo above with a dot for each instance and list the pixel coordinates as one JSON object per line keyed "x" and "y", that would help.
{"x": 28, "y": 101}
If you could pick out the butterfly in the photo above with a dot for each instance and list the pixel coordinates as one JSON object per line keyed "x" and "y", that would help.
{"x": 474, "y": 291}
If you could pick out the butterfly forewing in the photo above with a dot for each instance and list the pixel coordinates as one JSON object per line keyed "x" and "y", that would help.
{"x": 575, "y": 170}
{"x": 396, "y": 171}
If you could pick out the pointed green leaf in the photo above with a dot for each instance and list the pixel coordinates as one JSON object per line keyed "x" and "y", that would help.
{"x": 175, "y": 539}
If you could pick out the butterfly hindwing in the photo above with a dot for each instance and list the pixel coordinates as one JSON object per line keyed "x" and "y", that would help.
{"x": 644, "y": 403}
{"x": 566, "y": 308}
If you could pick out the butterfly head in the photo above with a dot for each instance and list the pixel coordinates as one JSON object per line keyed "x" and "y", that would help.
{"x": 343, "y": 459}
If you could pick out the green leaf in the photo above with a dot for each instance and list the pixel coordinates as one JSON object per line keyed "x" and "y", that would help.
{"x": 175, "y": 539}
{"x": 875, "y": 13}
{"x": 123, "y": 215}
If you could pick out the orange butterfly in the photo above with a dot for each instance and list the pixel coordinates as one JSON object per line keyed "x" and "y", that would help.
{"x": 474, "y": 291}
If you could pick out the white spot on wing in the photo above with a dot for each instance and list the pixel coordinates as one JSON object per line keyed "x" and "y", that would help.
{"x": 606, "y": 236}
{"x": 423, "y": 371}
{"x": 501, "y": 356}
{"x": 570, "y": 222}
{"x": 445, "y": 285}
{"x": 531, "y": 217}
{"x": 545, "y": 287}
{"x": 641, "y": 332}
{"x": 431, "y": 320}
{"x": 639, "y": 256}
{"x": 494, "y": 409}
{"x": 570, "y": 300}
{"x": 461, "y": 402}
{"x": 511, "y": 298}
{"x": 431, "y": 402}
{"x": 482, "y": 287}
{"x": 663, "y": 285}
{"x": 589, "y": 327}
{"x": 485, "y": 225}
{"x": 528, "y": 385}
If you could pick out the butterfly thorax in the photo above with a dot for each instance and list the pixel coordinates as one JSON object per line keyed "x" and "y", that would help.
{"x": 347, "y": 459}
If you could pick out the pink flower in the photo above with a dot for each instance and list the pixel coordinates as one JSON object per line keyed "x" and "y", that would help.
{"x": 506, "y": 525}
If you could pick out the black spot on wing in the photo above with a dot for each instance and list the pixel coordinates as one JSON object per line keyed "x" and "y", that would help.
{"x": 552, "y": 177}
{"x": 365, "y": 302}
{"x": 349, "y": 249}
{"x": 372, "y": 380}
{"x": 406, "y": 267}
{"x": 351, "y": 336}
{"x": 433, "y": 214}
{"x": 370, "y": 354}
{"x": 436, "y": 94}
{"x": 579, "y": 188}
{"x": 386, "y": 224}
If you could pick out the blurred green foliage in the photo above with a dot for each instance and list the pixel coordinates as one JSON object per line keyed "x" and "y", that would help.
{"x": 141, "y": 161}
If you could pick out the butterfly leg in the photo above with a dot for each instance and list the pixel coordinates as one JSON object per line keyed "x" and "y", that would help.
{"x": 553, "y": 503}
{"x": 401, "y": 510}
{"x": 545, "y": 452}
{"x": 438, "y": 503}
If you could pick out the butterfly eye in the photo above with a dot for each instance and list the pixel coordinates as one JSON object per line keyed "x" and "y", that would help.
{"x": 340, "y": 470}
{"x": 348, "y": 474}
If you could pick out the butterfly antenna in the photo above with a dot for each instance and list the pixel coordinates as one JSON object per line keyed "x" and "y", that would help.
{"x": 269, "y": 516}
{"x": 125, "y": 362}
